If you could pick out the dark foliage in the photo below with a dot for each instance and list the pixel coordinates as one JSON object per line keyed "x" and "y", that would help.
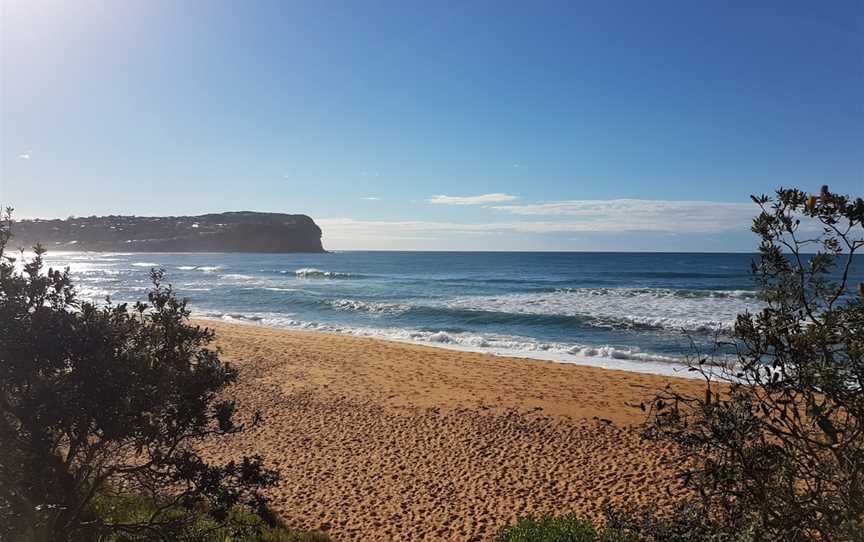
{"x": 132, "y": 508}
{"x": 98, "y": 399}
{"x": 776, "y": 444}
{"x": 685, "y": 524}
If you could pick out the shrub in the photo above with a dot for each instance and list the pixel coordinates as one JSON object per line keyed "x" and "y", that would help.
{"x": 95, "y": 399}
{"x": 132, "y": 508}
{"x": 776, "y": 442}
{"x": 685, "y": 524}
{"x": 559, "y": 529}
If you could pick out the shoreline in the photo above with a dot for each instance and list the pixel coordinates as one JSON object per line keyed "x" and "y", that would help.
{"x": 381, "y": 440}
{"x": 670, "y": 369}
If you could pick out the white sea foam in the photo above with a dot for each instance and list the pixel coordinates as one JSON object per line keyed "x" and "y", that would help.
{"x": 76, "y": 267}
{"x": 624, "y": 358}
{"x": 354, "y": 305}
{"x": 655, "y": 307}
{"x": 237, "y": 276}
{"x": 91, "y": 293}
{"x": 202, "y": 268}
{"x": 311, "y": 272}
{"x": 145, "y": 264}
{"x": 95, "y": 278}
{"x": 690, "y": 310}
{"x": 134, "y": 288}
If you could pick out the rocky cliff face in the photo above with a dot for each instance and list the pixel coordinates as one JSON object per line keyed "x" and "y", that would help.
{"x": 242, "y": 231}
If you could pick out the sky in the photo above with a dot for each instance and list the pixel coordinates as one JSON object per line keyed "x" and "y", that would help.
{"x": 446, "y": 125}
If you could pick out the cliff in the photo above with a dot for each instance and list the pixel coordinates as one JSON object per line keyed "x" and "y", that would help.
{"x": 242, "y": 231}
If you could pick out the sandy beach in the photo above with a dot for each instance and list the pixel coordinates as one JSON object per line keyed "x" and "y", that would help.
{"x": 379, "y": 440}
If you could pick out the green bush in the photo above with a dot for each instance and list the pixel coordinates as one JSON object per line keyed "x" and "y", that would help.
{"x": 241, "y": 525}
{"x": 568, "y": 528}
{"x": 775, "y": 443}
{"x": 686, "y": 524}
{"x": 96, "y": 397}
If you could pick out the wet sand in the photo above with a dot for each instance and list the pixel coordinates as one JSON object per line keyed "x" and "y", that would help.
{"x": 379, "y": 440}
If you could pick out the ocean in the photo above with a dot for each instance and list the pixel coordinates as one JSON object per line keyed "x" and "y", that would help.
{"x": 635, "y": 311}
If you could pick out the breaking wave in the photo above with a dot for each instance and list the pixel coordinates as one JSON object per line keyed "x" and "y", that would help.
{"x": 690, "y": 310}
{"x": 311, "y": 273}
{"x": 693, "y": 311}
{"x": 202, "y": 268}
{"x": 236, "y": 276}
{"x": 629, "y": 358}
{"x": 367, "y": 306}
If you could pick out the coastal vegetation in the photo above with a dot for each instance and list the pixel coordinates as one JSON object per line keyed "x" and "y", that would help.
{"x": 100, "y": 411}
{"x": 242, "y": 231}
{"x": 130, "y": 508}
{"x": 570, "y": 528}
{"x": 774, "y": 448}
{"x": 777, "y": 440}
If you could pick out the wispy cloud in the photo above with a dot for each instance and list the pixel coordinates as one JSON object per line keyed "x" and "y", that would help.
{"x": 640, "y": 214}
{"x": 629, "y": 216}
{"x": 371, "y": 198}
{"x": 24, "y": 156}
{"x": 482, "y": 199}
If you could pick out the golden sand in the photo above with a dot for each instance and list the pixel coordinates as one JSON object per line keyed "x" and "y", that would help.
{"x": 378, "y": 440}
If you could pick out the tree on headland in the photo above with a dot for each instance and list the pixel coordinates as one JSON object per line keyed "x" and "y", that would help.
{"x": 775, "y": 446}
{"x": 101, "y": 402}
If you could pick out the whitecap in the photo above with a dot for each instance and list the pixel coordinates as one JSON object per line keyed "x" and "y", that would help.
{"x": 236, "y": 276}
{"x": 202, "y": 268}
{"x": 691, "y": 310}
{"x": 439, "y": 337}
{"x": 353, "y": 305}
{"x": 311, "y": 272}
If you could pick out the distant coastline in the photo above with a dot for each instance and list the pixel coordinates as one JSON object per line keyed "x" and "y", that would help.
{"x": 239, "y": 231}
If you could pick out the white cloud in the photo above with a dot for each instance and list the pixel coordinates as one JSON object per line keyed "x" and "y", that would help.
{"x": 622, "y": 215}
{"x": 626, "y": 216}
{"x": 24, "y": 156}
{"x": 371, "y": 198}
{"x": 471, "y": 200}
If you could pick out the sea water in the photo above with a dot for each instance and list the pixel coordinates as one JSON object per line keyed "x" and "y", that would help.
{"x": 642, "y": 312}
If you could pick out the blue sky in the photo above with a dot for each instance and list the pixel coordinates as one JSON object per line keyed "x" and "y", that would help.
{"x": 544, "y": 125}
